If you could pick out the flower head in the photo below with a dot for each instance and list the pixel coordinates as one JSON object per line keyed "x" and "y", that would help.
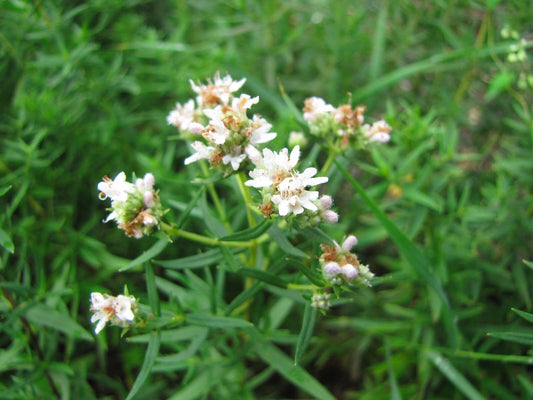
{"x": 217, "y": 91}
{"x": 135, "y": 207}
{"x": 284, "y": 188}
{"x": 116, "y": 310}
{"x": 340, "y": 266}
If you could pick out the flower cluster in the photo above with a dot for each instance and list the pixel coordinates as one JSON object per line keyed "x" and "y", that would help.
{"x": 344, "y": 122}
{"x": 284, "y": 188}
{"x": 340, "y": 266}
{"x": 117, "y": 310}
{"x": 135, "y": 207}
{"x": 229, "y": 136}
{"x": 321, "y": 301}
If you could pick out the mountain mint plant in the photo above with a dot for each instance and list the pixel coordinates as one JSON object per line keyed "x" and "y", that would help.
{"x": 224, "y": 137}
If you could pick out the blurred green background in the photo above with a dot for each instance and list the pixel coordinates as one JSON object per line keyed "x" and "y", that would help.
{"x": 86, "y": 87}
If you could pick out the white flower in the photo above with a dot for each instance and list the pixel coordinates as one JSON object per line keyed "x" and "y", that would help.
{"x": 182, "y": 116}
{"x": 122, "y": 307}
{"x": 378, "y": 132}
{"x": 117, "y": 189}
{"x": 314, "y": 107}
{"x": 217, "y": 92}
{"x": 216, "y": 131}
{"x": 260, "y": 131}
{"x": 202, "y": 152}
{"x": 243, "y": 103}
{"x": 234, "y": 158}
{"x": 103, "y": 310}
{"x": 274, "y": 167}
{"x": 117, "y": 310}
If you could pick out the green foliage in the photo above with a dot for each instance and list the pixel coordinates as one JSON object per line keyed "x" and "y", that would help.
{"x": 443, "y": 212}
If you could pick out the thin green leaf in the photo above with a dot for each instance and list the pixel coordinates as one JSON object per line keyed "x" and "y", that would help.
{"x": 200, "y": 260}
{"x": 5, "y": 189}
{"x": 517, "y": 337}
{"x": 394, "y": 391}
{"x": 6, "y": 242}
{"x": 197, "y": 388}
{"x": 153, "y": 298}
{"x": 263, "y": 276}
{"x": 418, "y": 197}
{"x": 308, "y": 326}
{"x": 185, "y": 213}
{"x": 498, "y": 84}
{"x": 170, "y": 335}
{"x": 317, "y": 235}
{"x": 212, "y": 321}
{"x": 213, "y": 225}
{"x": 528, "y": 263}
{"x": 43, "y": 315}
{"x": 314, "y": 276}
{"x": 149, "y": 358}
{"x": 378, "y": 44}
{"x": 527, "y": 316}
{"x": 454, "y": 376}
{"x": 243, "y": 297}
{"x": 153, "y": 251}
{"x": 279, "y": 237}
{"x": 278, "y": 360}
{"x": 250, "y": 233}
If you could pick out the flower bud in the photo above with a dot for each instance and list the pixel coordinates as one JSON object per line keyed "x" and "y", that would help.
{"x": 332, "y": 268}
{"x": 349, "y": 271}
{"x": 350, "y": 242}
{"x": 331, "y": 216}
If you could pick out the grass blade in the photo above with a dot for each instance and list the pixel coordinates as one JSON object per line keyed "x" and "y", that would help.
{"x": 149, "y": 358}
{"x": 394, "y": 391}
{"x": 454, "y": 376}
{"x": 278, "y": 360}
{"x": 308, "y": 326}
{"x": 212, "y": 321}
{"x": 153, "y": 251}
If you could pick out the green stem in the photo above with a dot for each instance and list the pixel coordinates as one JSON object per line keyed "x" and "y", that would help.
{"x": 333, "y": 152}
{"x": 195, "y": 237}
{"x": 296, "y": 286}
{"x": 214, "y": 195}
{"x": 246, "y": 197}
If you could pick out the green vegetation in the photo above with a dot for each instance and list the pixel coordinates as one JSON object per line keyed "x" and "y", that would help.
{"x": 443, "y": 212}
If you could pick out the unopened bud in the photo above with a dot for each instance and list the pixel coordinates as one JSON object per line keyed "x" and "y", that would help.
{"x": 350, "y": 242}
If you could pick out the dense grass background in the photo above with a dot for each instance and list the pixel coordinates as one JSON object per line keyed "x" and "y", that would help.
{"x": 85, "y": 91}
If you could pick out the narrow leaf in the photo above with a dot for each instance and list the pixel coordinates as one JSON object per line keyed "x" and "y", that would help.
{"x": 44, "y": 315}
{"x": 517, "y": 337}
{"x": 317, "y": 235}
{"x": 153, "y": 251}
{"x": 308, "y": 326}
{"x": 250, "y": 233}
{"x": 394, "y": 391}
{"x": 185, "y": 214}
{"x": 5, "y": 241}
{"x": 195, "y": 389}
{"x": 454, "y": 376}
{"x": 263, "y": 276}
{"x": 527, "y": 316}
{"x": 211, "y": 321}
{"x": 278, "y": 360}
{"x": 149, "y": 358}
{"x": 200, "y": 260}
{"x": 153, "y": 298}
{"x": 279, "y": 237}
{"x": 314, "y": 276}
